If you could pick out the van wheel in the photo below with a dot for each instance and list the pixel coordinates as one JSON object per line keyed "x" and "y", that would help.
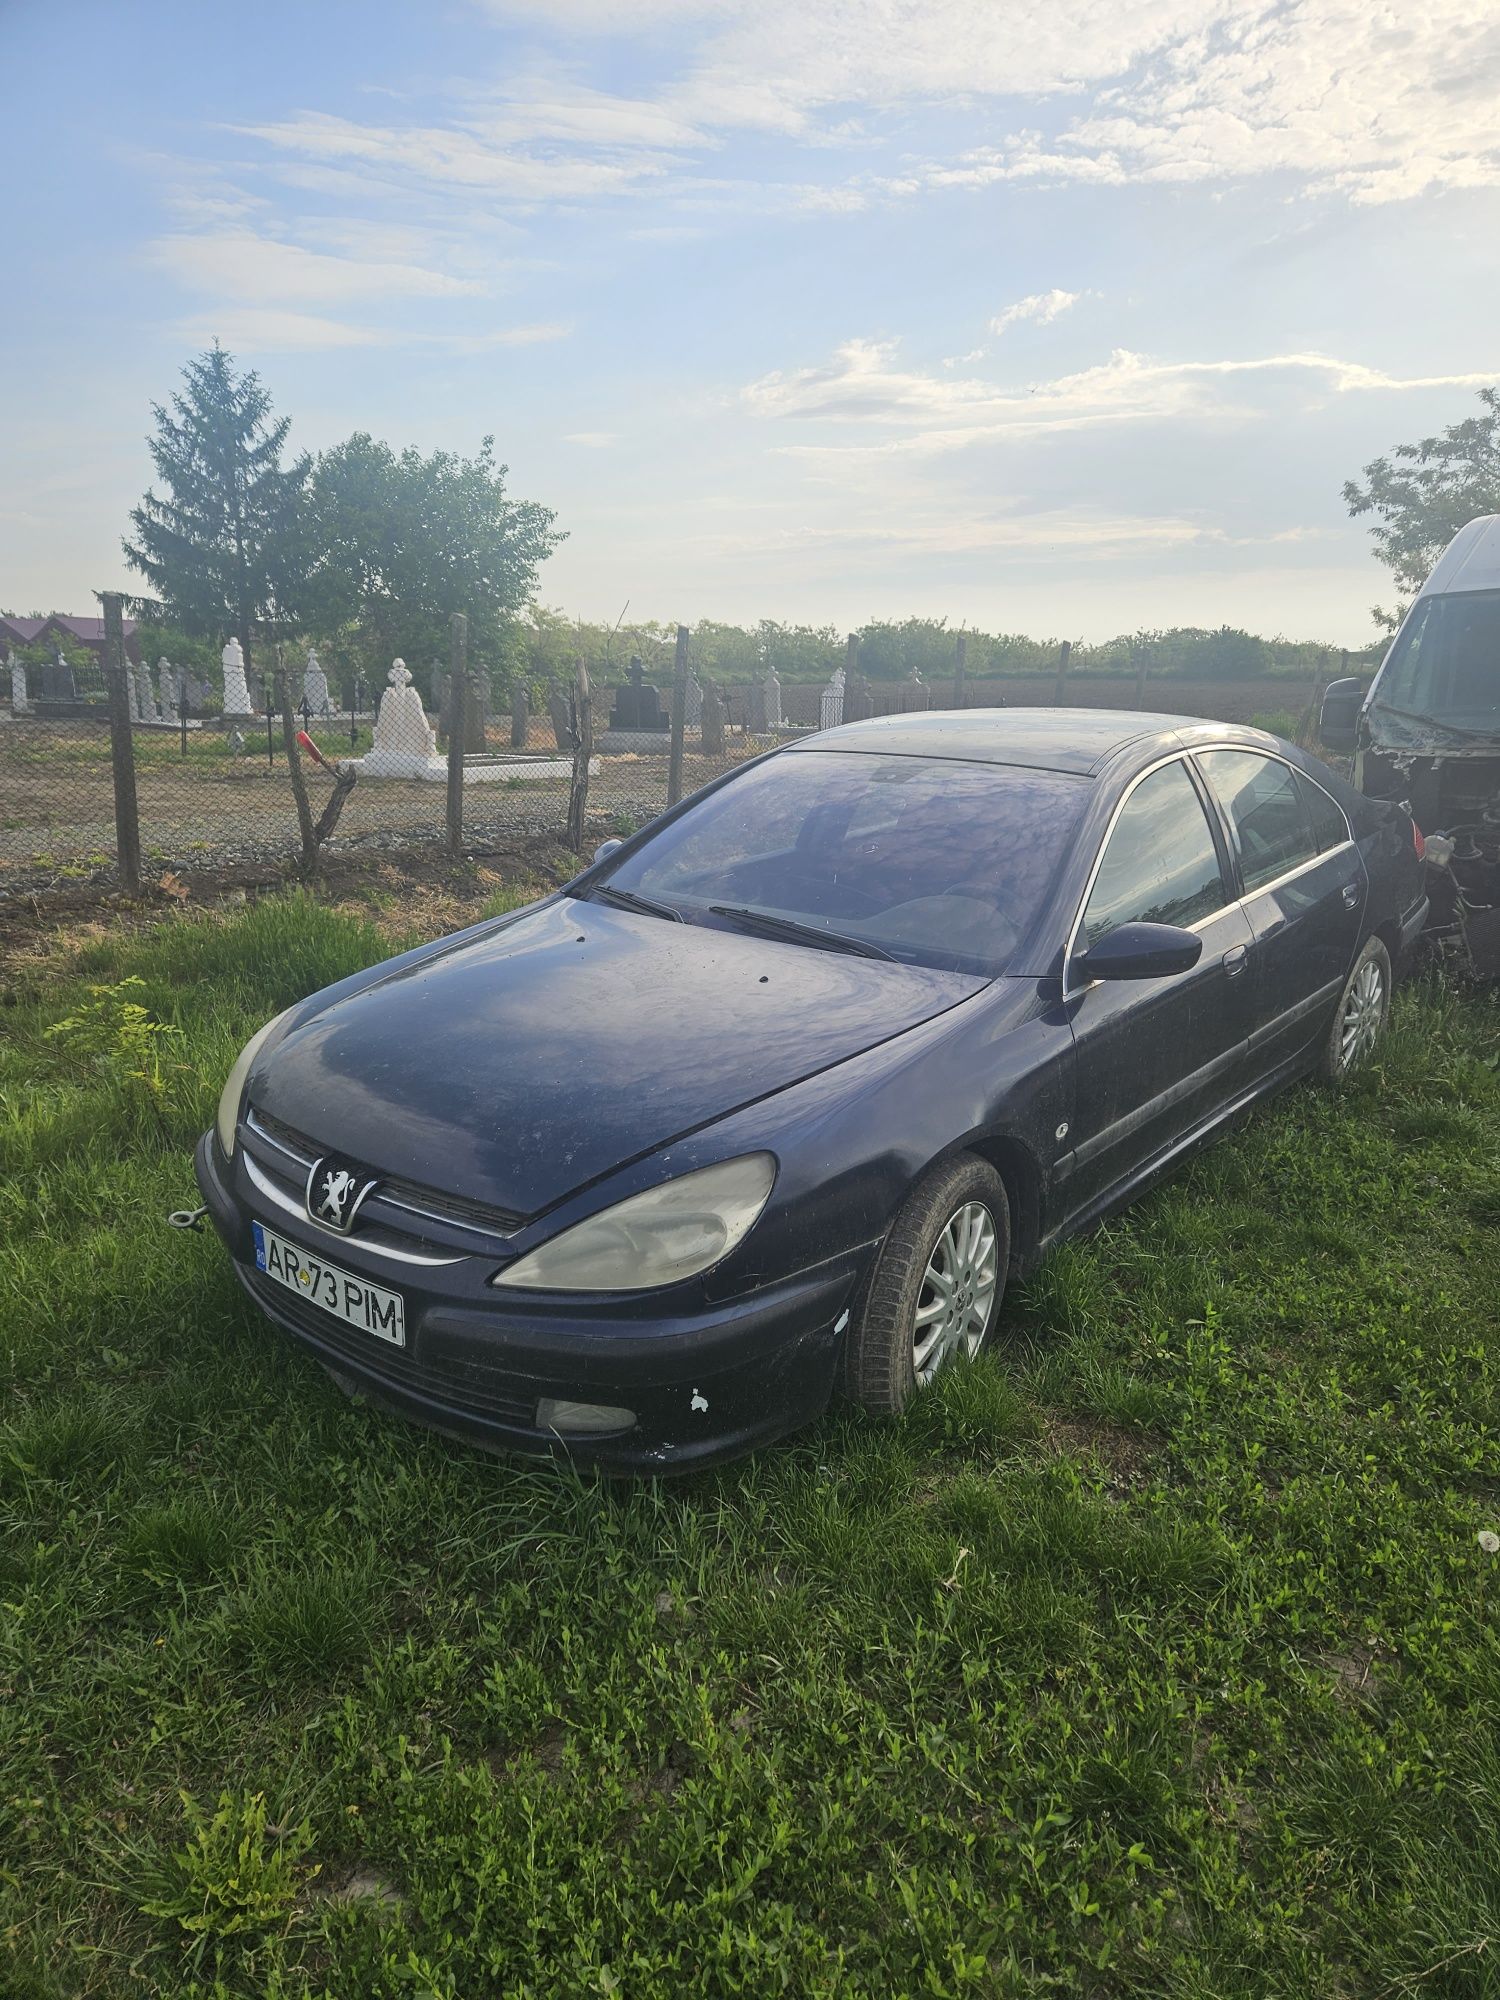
{"x": 936, "y": 1287}
{"x": 1360, "y": 1017}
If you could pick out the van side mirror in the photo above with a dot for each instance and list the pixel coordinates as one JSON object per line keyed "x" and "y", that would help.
{"x": 1141, "y": 951}
{"x": 1338, "y": 719}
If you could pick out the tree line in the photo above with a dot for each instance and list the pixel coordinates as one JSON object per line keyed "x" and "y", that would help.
{"x": 366, "y": 551}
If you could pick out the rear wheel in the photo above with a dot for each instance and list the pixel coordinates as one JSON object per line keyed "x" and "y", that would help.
{"x": 935, "y": 1291}
{"x": 1363, "y": 1010}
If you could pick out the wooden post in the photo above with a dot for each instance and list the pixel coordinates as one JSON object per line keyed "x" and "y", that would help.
{"x": 294, "y": 768}
{"x": 121, "y": 745}
{"x": 583, "y": 745}
{"x": 458, "y": 725}
{"x": 520, "y": 713}
{"x": 960, "y": 657}
{"x": 1064, "y": 655}
{"x": 679, "y": 716}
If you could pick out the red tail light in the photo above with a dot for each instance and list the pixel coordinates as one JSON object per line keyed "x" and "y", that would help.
{"x": 1417, "y": 841}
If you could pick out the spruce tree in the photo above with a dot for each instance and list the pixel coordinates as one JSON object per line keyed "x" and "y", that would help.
{"x": 223, "y": 546}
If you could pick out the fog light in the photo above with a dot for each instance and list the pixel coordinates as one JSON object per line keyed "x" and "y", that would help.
{"x": 580, "y": 1419}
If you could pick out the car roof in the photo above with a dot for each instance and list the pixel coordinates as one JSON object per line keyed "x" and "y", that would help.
{"x": 1471, "y": 560}
{"x": 1080, "y": 741}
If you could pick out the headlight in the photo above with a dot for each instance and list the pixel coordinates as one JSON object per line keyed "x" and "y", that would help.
{"x": 669, "y": 1232}
{"x": 229, "y": 1097}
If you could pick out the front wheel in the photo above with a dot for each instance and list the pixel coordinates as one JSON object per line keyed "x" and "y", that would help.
{"x": 936, "y": 1287}
{"x": 1363, "y": 1010}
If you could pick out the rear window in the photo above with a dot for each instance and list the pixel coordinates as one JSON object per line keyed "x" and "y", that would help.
{"x": 937, "y": 862}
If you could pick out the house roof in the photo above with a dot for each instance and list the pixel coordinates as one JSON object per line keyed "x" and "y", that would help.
{"x": 90, "y": 631}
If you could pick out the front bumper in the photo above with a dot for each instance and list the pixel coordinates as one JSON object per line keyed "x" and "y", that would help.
{"x": 706, "y": 1383}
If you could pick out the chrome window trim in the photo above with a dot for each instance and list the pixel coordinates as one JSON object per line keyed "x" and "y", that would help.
{"x": 1238, "y": 902}
{"x": 1172, "y": 757}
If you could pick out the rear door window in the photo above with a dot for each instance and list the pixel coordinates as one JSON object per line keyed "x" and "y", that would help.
{"x": 1272, "y": 831}
{"x": 1160, "y": 864}
{"x": 1325, "y": 815}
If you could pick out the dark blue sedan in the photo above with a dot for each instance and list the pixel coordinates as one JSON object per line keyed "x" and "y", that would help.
{"x": 773, "y": 1099}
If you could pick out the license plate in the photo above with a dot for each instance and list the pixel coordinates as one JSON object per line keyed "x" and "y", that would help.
{"x": 354, "y": 1300}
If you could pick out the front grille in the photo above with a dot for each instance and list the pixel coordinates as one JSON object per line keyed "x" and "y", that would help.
{"x": 405, "y": 1204}
{"x": 466, "y": 1386}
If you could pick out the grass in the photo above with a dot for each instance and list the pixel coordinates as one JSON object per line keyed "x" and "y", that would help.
{"x": 1155, "y": 1654}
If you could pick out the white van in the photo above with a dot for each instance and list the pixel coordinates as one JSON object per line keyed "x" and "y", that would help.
{"x": 1426, "y": 733}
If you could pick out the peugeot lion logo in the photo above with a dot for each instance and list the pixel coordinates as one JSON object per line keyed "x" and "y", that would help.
{"x": 334, "y": 1195}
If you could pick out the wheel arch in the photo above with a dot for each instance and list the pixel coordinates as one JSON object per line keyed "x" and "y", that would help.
{"x": 1016, "y": 1164}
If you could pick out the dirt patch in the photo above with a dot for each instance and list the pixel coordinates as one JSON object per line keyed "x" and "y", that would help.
{"x": 400, "y": 891}
{"x": 1124, "y": 1454}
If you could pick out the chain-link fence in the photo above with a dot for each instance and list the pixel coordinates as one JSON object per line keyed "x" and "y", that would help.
{"x": 212, "y": 789}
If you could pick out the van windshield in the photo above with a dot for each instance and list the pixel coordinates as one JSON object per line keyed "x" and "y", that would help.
{"x": 1445, "y": 666}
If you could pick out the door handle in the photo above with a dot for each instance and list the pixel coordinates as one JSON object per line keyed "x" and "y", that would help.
{"x": 1234, "y": 961}
{"x": 1351, "y": 895}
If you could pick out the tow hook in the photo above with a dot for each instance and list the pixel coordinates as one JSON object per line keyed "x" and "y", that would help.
{"x": 186, "y": 1218}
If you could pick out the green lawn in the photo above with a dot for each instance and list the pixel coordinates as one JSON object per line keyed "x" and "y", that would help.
{"x": 1155, "y": 1655}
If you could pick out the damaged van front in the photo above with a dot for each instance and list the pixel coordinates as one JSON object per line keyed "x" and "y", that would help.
{"x": 1427, "y": 734}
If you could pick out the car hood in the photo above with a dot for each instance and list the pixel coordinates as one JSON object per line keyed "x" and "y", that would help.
{"x": 523, "y": 1063}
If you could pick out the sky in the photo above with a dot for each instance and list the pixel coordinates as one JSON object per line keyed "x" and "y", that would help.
{"x": 1066, "y": 317}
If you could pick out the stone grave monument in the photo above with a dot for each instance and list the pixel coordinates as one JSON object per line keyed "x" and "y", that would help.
{"x": 405, "y": 741}
{"x": 315, "y": 686}
{"x": 236, "y": 694}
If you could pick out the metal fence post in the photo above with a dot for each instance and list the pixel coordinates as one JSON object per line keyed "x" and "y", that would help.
{"x": 458, "y": 725}
{"x": 679, "y": 717}
{"x": 960, "y": 661}
{"x": 583, "y": 744}
{"x": 1064, "y": 654}
{"x": 121, "y": 745}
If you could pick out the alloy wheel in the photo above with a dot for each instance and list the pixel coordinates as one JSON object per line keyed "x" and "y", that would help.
{"x": 1364, "y": 1012}
{"x": 958, "y": 1291}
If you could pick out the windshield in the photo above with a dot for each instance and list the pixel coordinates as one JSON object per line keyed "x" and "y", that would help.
{"x": 1445, "y": 666}
{"x": 936, "y": 862}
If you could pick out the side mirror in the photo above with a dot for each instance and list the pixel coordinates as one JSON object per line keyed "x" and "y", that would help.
{"x": 1141, "y": 951}
{"x": 605, "y": 849}
{"x": 1338, "y": 719}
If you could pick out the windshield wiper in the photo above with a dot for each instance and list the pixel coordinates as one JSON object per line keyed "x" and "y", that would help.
{"x": 647, "y": 906}
{"x": 795, "y": 933}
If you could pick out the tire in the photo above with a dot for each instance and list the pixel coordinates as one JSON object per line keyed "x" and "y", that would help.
{"x": 890, "y": 1353}
{"x": 1360, "y": 1017}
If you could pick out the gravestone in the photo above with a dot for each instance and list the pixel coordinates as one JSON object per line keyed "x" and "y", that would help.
{"x": 405, "y": 742}
{"x": 520, "y": 716}
{"x": 236, "y": 694}
{"x": 20, "y": 703}
{"x": 145, "y": 698}
{"x": 713, "y": 721}
{"x": 562, "y": 719}
{"x": 637, "y": 705}
{"x": 692, "y": 713}
{"x": 236, "y": 743}
{"x": 918, "y": 694}
{"x": 771, "y": 691}
{"x": 831, "y": 701}
{"x": 58, "y": 683}
{"x": 171, "y": 692}
{"x": 315, "y": 686}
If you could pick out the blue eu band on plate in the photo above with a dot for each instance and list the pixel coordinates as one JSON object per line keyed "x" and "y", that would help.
{"x": 353, "y": 1299}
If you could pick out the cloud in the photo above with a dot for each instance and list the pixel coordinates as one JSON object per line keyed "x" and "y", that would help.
{"x": 863, "y": 385}
{"x": 241, "y": 264}
{"x": 264, "y": 329}
{"x": 1043, "y": 307}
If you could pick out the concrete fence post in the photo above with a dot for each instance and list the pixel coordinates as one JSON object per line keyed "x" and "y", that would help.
{"x": 583, "y": 745}
{"x": 458, "y": 725}
{"x": 679, "y": 717}
{"x": 1064, "y": 655}
{"x": 121, "y": 744}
